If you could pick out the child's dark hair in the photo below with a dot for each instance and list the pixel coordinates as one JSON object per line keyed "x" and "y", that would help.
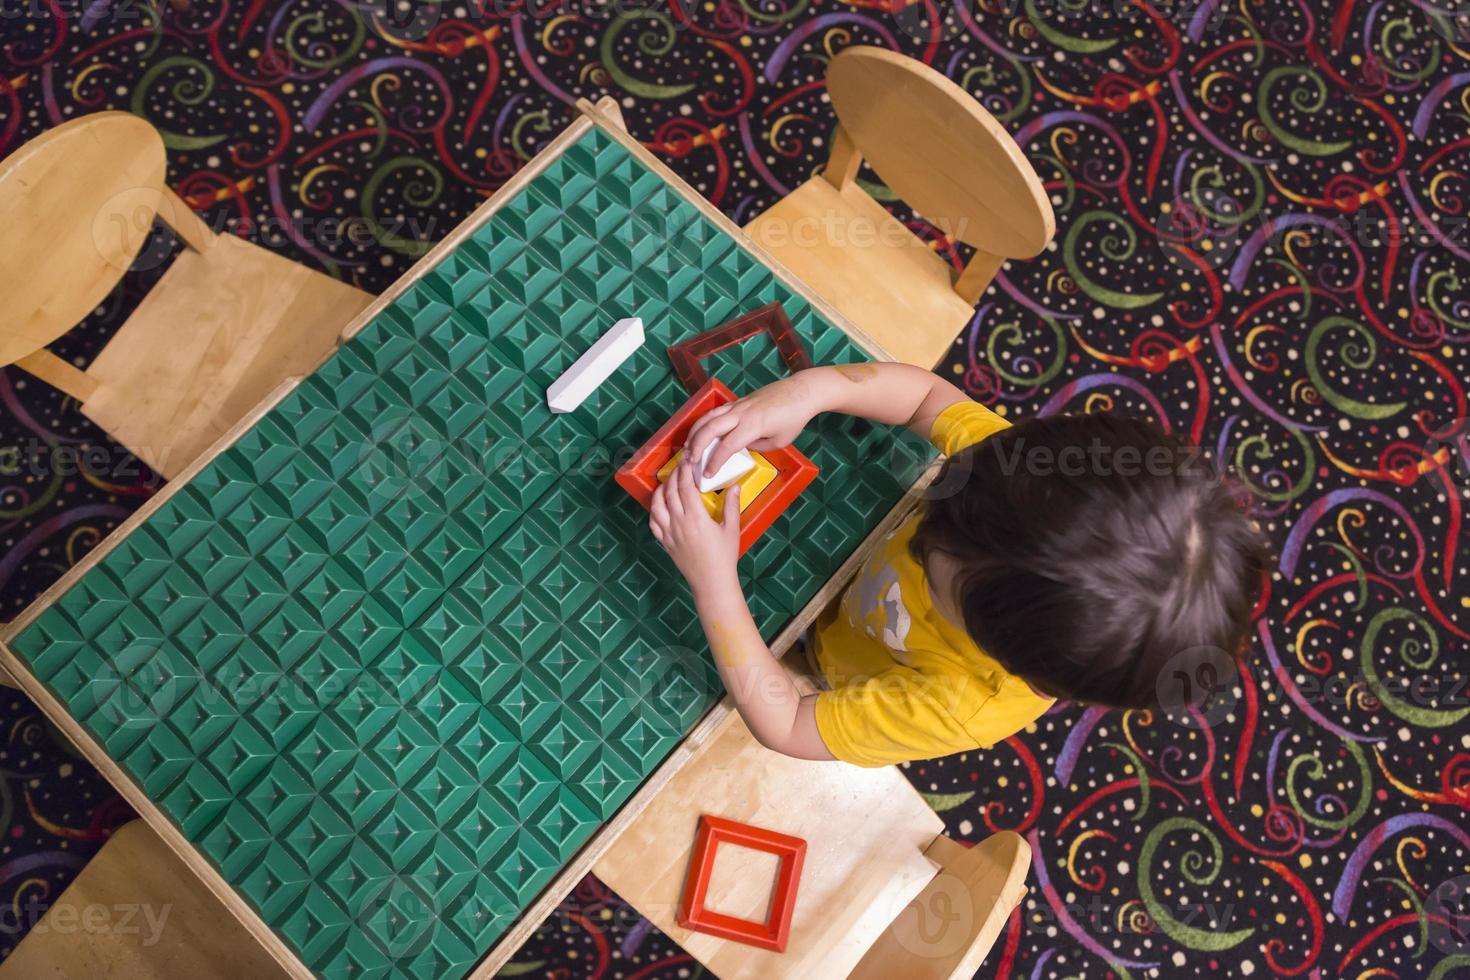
{"x": 1091, "y": 550}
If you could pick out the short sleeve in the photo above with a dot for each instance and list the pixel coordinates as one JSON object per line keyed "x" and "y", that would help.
{"x": 963, "y": 424}
{"x": 897, "y": 716}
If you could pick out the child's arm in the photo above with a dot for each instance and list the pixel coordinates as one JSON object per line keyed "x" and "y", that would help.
{"x": 773, "y": 709}
{"x": 894, "y": 394}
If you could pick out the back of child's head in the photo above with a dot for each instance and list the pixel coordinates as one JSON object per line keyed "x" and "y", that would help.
{"x": 1090, "y": 551}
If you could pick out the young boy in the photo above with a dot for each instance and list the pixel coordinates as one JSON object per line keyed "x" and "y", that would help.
{"x": 1082, "y": 557}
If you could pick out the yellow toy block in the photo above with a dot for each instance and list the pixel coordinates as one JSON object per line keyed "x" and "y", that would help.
{"x": 751, "y": 484}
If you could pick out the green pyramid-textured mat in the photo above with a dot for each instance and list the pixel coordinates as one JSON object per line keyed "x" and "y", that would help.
{"x": 390, "y": 659}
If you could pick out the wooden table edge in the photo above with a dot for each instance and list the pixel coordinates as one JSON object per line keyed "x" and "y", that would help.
{"x": 605, "y": 117}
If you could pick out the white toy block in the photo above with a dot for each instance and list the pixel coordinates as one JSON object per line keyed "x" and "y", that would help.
{"x": 735, "y": 467}
{"x": 595, "y": 366}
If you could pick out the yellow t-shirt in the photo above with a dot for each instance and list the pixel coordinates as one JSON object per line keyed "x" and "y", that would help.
{"x": 907, "y": 683}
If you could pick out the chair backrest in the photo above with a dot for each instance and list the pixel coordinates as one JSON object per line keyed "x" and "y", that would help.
{"x": 78, "y": 202}
{"x": 948, "y": 928}
{"x": 940, "y": 151}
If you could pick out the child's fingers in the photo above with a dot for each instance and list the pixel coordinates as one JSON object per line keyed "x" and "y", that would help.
{"x": 658, "y": 531}
{"x": 707, "y": 430}
{"x": 658, "y": 510}
{"x": 710, "y": 416}
{"x": 730, "y": 519}
{"x": 705, "y": 420}
{"x": 687, "y": 489}
{"x": 673, "y": 499}
{"x": 731, "y": 443}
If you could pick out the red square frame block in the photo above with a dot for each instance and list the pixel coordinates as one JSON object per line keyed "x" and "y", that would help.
{"x": 771, "y": 319}
{"x": 639, "y": 475}
{"x": 771, "y": 934}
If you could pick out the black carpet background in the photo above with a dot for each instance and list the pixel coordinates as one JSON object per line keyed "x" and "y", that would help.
{"x": 1261, "y": 243}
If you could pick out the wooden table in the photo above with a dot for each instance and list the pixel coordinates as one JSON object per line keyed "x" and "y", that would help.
{"x": 395, "y": 661}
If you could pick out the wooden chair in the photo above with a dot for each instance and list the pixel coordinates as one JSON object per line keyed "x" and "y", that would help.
{"x": 883, "y": 893}
{"x": 939, "y": 151}
{"x": 225, "y": 325}
{"x": 136, "y": 912}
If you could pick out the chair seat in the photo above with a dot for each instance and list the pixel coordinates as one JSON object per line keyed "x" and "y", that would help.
{"x": 218, "y": 333}
{"x": 863, "y": 261}
{"x": 168, "y": 924}
{"x": 866, "y": 831}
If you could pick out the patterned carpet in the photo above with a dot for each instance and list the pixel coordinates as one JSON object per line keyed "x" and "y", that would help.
{"x": 1261, "y": 214}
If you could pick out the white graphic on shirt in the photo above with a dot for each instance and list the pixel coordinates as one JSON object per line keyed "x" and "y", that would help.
{"x": 879, "y": 592}
{"x": 896, "y": 621}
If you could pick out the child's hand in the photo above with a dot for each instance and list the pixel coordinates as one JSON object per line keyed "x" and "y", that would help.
{"x": 767, "y": 418}
{"x": 704, "y": 551}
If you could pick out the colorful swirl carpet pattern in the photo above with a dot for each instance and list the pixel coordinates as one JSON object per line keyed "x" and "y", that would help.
{"x": 1262, "y": 243}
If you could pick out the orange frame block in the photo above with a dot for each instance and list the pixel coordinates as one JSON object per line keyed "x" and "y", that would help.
{"x": 771, "y": 934}
{"x": 639, "y": 475}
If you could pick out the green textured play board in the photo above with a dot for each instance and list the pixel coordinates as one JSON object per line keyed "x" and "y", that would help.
{"x": 390, "y": 659}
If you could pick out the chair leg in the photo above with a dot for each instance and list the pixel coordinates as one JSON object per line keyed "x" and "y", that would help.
{"x": 177, "y": 214}
{"x": 977, "y": 275}
{"x": 844, "y": 160}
